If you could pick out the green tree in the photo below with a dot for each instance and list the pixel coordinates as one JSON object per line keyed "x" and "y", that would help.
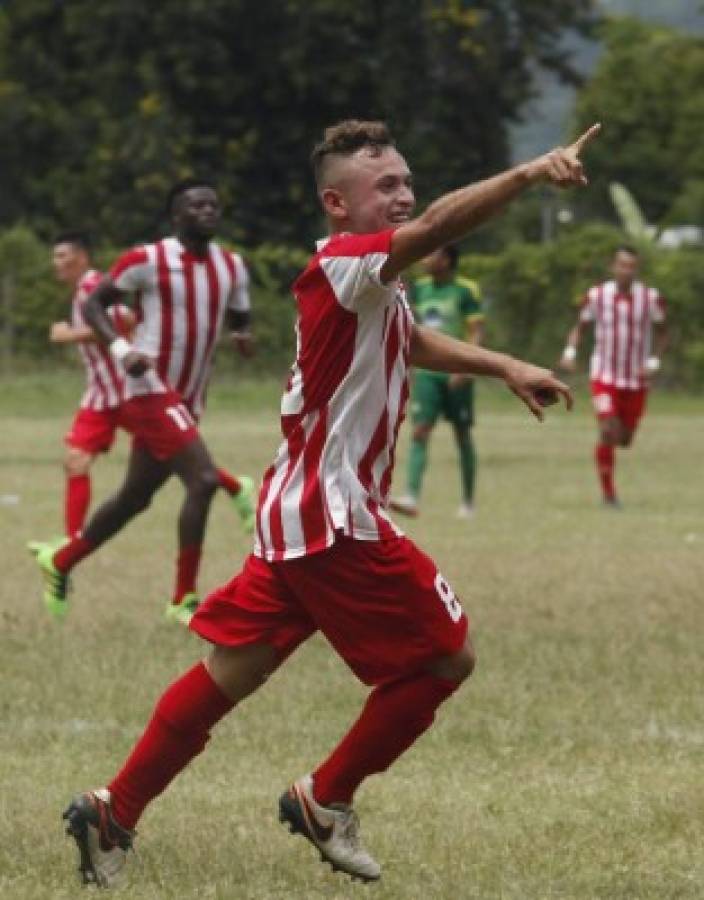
{"x": 647, "y": 92}
{"x": 103, "y": 105}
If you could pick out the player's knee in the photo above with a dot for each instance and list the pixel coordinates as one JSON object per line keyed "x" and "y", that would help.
{"x": 626, "y": 439}
{"x": 76, "y": 463}
{"x": 205, "y": 483}
{"x": 457, "y": 667}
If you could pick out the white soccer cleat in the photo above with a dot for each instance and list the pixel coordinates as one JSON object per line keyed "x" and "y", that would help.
{"x": 334, "y": 830}
{"x": 406, "y": 505}
{"x": 465, "y": 510}
{"x": 102, "y": 842}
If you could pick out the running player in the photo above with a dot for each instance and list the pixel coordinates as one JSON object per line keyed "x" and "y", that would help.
{"x": 94, "y": 425}
{"x": 327, "y": 556}
{"x": 624, "y": 312}
{"x": 183, "y": 287}
{"x": 446, "y": 301}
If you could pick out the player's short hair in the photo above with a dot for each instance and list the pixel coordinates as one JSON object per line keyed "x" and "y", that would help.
{"x": 80, "y": 239}
{"x": 452, "y": 252}
{"x": 186, "y": 185}
{"x": 345, "y": 138}
{"x": 627, "y": 248}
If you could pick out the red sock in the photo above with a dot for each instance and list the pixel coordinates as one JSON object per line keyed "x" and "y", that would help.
{"x": 228, "y": 482}
{"x": 177, "y": 732}
{"x": 187, "y": 566}
{"x": 604, "y": 457}
{"x": 76, "y": 503}
{"x": 395, "y": 714}
{"x": 72, "y": 553}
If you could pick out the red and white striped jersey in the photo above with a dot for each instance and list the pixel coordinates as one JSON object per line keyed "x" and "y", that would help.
{"x": 343, "y": 404}
{"x": 104, "y": 376}
{"x": 180, "y": 301}
{"x": 622, "y": 331}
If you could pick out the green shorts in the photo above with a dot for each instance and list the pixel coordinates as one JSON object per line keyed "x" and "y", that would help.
{"x": 432, "y": 397}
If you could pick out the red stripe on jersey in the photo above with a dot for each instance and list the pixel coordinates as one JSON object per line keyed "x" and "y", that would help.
{"x": 630, "y": 350}
{"x": 136, "y": 257}
{"x": 386, "y": 532}
{"x": 312, "y": 505}
{"x": 602, "y": 328}
{"x": 296, "y": 442}
{"x": 323, "y": 326}
{"x": 166, "y": 336}
{"x": 191, "y": 324}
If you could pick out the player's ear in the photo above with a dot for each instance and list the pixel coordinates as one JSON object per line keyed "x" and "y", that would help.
{"x": 333, "y": 203}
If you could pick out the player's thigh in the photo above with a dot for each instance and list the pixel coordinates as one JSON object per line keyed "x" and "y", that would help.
{"x": 426, "y": 400}
{"x": 383, "y": 605}
{"x": 631, "y": 408}
{"x": 255, "y": 608}
{"x": 145, "y": 474}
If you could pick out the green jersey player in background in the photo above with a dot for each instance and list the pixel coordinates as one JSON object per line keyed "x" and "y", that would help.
{"x": 451, "y": 304}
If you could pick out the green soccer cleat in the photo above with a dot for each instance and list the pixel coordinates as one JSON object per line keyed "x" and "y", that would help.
{"x": 244, "y": 503}
{"x": 182, "y": 612}
{"x": 56, "y": 584}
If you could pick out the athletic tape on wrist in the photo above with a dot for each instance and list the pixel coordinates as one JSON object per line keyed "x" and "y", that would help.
{"x": 569, "y": 353}
{"x": 119, "y": 348}
{"x": 652, "y": 364}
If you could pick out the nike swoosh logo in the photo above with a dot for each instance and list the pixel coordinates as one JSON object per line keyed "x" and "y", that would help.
{"x": 322, "y": 833}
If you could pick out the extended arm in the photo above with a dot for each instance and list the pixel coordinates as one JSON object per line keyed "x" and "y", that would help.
{"x": 457, "y": 213}
{"x": 535, "y": 386}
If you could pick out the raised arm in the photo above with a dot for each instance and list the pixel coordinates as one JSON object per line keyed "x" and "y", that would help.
{"x": 457, "y": 213}
{"x": 536, "y": 387}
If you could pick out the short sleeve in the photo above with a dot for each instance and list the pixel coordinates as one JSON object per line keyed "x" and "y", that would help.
{"x": 239, "y": 296}
{"x": 131, "y": 271}
{"x": 352, "y": 264}
{"x": 587, "y": 306}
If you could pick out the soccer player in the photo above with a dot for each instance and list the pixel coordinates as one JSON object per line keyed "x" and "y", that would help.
{"x": 184, "y": 286}
{"x": 445, "y": 301}
{"x": 327, "y": 556}
{"x": 95, "y": 423}
{"x": 624, "y": 312}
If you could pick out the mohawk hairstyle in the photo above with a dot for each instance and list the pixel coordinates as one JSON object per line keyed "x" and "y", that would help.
{"x": 181, "y": 187}
{"x": 346, "y": 138}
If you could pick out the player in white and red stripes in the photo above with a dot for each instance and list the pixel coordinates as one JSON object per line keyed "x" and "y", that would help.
{"x": 327, "y": 556}
{"x": 95, "y": 423}
{"x": 182, "y": 288}
{"x": 624, "y": 313}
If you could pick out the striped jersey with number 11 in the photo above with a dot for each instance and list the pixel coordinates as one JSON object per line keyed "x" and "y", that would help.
{"x": 180, "y": 301}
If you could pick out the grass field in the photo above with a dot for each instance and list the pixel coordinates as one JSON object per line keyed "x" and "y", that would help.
{"x": 569, "y": 767}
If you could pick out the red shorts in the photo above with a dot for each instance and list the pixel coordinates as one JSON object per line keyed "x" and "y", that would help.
{"x": 628, "y": 405}
{"x": 93, "y": 430}
{"x": 159, "y": 423}
{"x": 383, "y": 606}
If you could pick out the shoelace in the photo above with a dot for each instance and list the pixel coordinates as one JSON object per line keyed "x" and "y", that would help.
{"x": 350, "y": 828}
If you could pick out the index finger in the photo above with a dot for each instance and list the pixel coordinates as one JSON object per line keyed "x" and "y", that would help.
{"x": 560, "y": 388}
{"x": 585, "y": 138}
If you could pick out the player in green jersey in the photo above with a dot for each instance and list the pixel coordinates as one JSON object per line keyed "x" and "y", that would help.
{"x": 449, "y": 303}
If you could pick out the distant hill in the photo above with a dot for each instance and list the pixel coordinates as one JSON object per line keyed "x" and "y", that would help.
{"x": 546, "y": 120}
